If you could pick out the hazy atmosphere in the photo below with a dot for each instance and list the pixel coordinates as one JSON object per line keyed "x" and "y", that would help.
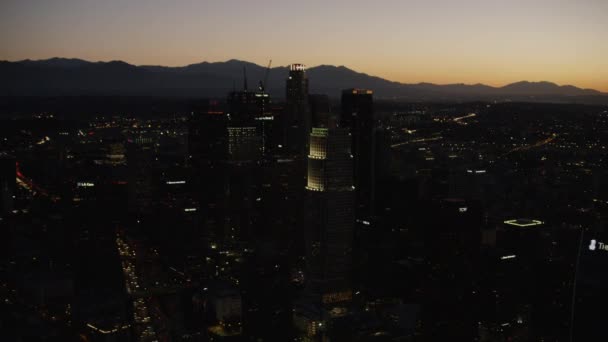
{"x": 439, "y": 41}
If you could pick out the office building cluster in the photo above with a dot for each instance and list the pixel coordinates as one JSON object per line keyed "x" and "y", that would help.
{"x": 304, "y": 218}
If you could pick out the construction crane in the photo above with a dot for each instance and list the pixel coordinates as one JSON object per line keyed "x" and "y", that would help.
{"x": 264, "y": 84}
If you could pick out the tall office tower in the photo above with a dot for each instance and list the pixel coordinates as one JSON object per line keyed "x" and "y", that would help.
{"x": 265, "y": 120}
{"x": 452, "y": 234}
{"x": 7, "y": 183}
{"x": 244, "y": 135}
{"x": 329, "y": 226}
{"x": 526, "y": 282}
{"x": 247, "y": 142}
{"x": 320, "y": 109}
{"x": 296, "y": 122}
{"x": 533, "y": 270}
{"x": 142, "y": 152}
{"x": 358, "y": 116}
{"x": 252, "y": 109}
{"x": 208, "y": 152}
{"x": 518, "y": 242}
{"x": 207, "y": 138}
{"x": 245, "y": 148}
{"x": 242, "y": 106}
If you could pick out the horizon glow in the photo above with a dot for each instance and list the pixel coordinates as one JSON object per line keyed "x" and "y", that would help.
{"x": 410, "y": 41}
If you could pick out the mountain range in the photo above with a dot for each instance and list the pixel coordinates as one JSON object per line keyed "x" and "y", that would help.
{"x": 72, "y": 77}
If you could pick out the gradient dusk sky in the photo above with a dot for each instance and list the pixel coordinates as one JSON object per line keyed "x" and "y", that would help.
{"x": 441, "y": 41}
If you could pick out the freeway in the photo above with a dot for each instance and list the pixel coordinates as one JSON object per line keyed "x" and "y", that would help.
{"x": 540, "y": 143}
{"x": 29, "y": 184}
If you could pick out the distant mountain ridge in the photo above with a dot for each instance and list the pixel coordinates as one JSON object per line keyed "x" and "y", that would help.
{"x": 71, "y": 76}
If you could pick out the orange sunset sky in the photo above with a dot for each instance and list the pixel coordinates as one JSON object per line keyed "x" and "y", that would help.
{"x": 439, "y": 41}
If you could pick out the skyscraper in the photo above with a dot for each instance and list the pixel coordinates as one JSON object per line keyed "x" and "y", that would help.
{"x": 296, "y": 122}
{"x": 320, "y": 109}
{"x": 245, "y": 149}
{"x": 208, "y": 152}
{"x": 244, "y": 137}
{"x": 207, "y": 138}
{"x": 330, "y": 218}
{"x": 452, "y": 232}
{"x": 358, "y": 116}
{"x": 329, "y": 222}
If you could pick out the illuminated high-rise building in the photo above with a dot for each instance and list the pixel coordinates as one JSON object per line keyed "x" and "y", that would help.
{"x": 296, "y": 121}
{"x": 329, "y": 221}
{"x": 331, "y": 211}
{"x": 358, "y": 115}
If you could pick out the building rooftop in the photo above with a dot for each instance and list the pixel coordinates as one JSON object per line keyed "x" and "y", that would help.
{"x": 523, "y": 222}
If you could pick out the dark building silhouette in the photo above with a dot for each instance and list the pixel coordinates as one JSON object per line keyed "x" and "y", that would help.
{"x": 245, "y": 149}
{"x": 320, "y": 110}
{"x": 520, "y": 253}
{"x": 243, "y": 107}
{"x": 141, "y": 161}
{"x": 207, "y": 139}
{"x": 358, "y": 116}
{"x": 244, "y": 135}
{"x": 452, "y": 235}
{"x": 208, "y": 152}
{"x": 296, "y": 122}
{"x": 591, "y": 286}
{"x": 533, "y": 268}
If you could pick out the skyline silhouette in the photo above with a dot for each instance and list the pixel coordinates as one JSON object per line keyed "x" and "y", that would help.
{"x": 61, "y": 76}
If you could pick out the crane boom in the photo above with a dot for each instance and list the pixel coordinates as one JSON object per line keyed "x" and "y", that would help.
{"x": 265, "y": 84}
